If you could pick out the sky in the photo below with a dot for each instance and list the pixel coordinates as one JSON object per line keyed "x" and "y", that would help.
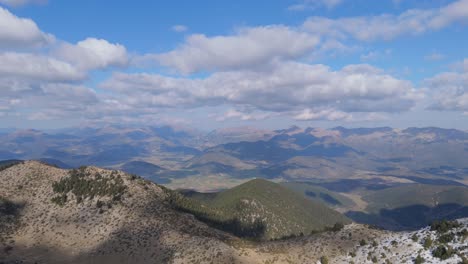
{"x": 215, "y": 64}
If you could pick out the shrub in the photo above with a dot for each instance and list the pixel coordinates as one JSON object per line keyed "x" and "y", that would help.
{"x": 362, "y": 242}
{"x": 83, "y": 185}
{"x": 442, "y": 252}
{"x": 337, "y": 227}
{"x": 444, "y": 225}
{"x": 419, "y": 260}
{"x": 427, "y": 242}
{"x": 414, "y": 237}
{"x": 446, "y": 238}
{"x": 99, "y": 204}
{"x": 324, "y": 260}
{"x": 60, "y": 199}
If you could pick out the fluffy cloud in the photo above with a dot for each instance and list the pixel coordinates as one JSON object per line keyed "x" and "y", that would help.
{"x": 450, "y": 90}
{"x": 37, "y": 67}
{"x": 285, "y": 87}
{"x": 247, "y": 48}
{"x": 93, "y": 53}
{"x": 255, "y": 47}
{"x": 16, "y": 32}
{"x": 45, "y": 100}
{"x": 388, "y": 26}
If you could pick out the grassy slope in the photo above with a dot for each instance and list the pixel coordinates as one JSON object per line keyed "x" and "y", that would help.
{"x": 279, "y": 211}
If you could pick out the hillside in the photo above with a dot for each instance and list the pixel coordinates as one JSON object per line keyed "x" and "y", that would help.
{"x": 265, "y": 210}
{"x": 412, "y": 206}
{"x": 91, "y": 215}
{"x": 95, "y": 214}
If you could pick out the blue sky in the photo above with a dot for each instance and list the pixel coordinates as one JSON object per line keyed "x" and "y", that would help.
{"x": 212, "y": 64}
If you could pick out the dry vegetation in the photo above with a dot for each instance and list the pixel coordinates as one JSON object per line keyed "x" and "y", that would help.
{"x": 139, "y": 227}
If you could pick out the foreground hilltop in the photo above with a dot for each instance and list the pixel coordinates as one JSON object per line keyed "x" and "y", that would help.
{"x": 91, "y": 215}
{"x": 106, "y": 214}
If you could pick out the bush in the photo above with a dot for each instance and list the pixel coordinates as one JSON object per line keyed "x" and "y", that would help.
{"x": 446, "y": 238}
{"x": 443, "y": 252}
{"x": 427, "y": 242}
{"x": 362, "y": 242}
{"x": 99, "y": 204}
{"x": 414, "y": 237}
{"x": 83, "y": 185}
{"x": 324, "y": 260}
{"x": 444, "y": 225}
{"x": 60, "y": 199}
{"x": 337, "y": 227}
{"x": 419, "y": 260}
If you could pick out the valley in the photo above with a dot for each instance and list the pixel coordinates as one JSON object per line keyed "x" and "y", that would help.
{"x": 359, "y": 172}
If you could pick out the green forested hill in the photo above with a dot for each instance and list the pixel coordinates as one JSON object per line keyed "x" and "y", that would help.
{"x": 261, "y": 209}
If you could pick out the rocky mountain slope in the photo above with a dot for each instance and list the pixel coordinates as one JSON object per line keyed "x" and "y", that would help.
{"x": 92, "y": 215}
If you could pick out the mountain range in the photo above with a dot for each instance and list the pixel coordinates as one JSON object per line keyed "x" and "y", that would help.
{"x": 353, "y": 170}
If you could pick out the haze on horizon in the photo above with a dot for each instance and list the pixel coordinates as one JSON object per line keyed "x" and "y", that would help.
{"x": 213, "y": 64}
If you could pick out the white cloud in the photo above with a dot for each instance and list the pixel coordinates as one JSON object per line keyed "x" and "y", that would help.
{"x": 449, "y": 90}
{"x": 285, "y": 87}
{"x": 258, "y": 47}
{"x": 93, "y": 53}
{"x": 236, "y": 114}
{"x": 326, "y": 114}
{"x": 179, "y": 28}
{"x": 314, "y": 4}
{"x": 247, "y": 48}
{"x": 45, "y": 101}
{"x": 37, "y": 67}
{"x": 331, "y": 114}
{"x": 16, "y": 3}
{"x": 16, "y": 32}
{"x": 388, "y": 26}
